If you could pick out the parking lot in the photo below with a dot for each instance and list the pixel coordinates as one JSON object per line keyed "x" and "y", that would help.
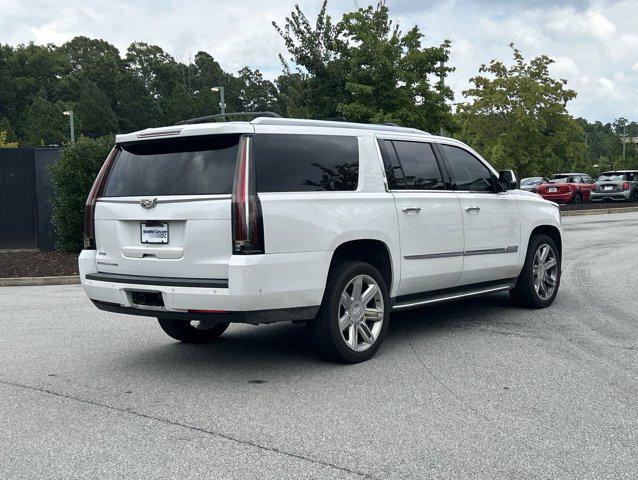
{"x": 474, "y": 389}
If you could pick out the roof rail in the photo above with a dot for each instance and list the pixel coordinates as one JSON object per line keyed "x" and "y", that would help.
{"x": 221, "y": 116}
{"x": 261, "y": 120}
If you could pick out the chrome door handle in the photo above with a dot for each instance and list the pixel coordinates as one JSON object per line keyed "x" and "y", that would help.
{"x": 410, "y": 209}
{"x": 473, "y": 209}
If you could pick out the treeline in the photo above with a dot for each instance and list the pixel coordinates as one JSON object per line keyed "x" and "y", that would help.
{"x": 362, "y": 67}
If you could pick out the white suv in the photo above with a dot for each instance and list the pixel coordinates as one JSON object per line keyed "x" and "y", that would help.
{"x": 332, "y": 223}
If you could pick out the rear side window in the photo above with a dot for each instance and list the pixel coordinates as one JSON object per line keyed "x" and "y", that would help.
{"x": 410, "y": 165}
{"x": 301, "y": 163}
{"x": 184, "y": 166}
{"x": 468, "y": 172}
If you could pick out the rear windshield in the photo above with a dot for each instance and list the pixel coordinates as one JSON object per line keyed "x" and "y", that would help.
{"x": 300, "y": 163}
{"x": 611, "y": 177}
{"x": 531, "y": 181}
{"x": 560, "y": 180}
{"x": 184, "y": 166}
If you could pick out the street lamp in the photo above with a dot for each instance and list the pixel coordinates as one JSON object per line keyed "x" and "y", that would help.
{"x": 222, "y": 103}
{"x": 69, "y": 113}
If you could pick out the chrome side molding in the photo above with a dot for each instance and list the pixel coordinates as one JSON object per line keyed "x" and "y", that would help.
{"x": 466, "y": 253}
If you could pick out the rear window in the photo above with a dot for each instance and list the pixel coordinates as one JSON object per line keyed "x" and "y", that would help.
{"x": 300, "y": 163}
{"x": 611, "y": 177}
{"x": 184, "y": 166}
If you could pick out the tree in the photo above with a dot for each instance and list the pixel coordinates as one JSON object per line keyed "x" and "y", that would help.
{"x": 46, "y": 123}
{"x": 517, "y": 118}
{"x": 94, "y": 113}
{"x": 365, "y": 69}
{"x": 73, "y": 176}
{"x": 4, "y": 143}
{"x": 256, "y": 94}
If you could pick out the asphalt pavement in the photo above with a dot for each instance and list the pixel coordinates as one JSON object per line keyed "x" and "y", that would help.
{"x": 476, "y": 389}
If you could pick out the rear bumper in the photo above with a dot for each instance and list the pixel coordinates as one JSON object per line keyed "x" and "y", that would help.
{"x": 622, "y": 196}
{"x": 255, "y": 317}
{"x": 558, "y": 197}
{"x": 259, "y": 289}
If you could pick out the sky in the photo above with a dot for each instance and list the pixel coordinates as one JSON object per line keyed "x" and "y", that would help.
{"x": 594, "y": 43}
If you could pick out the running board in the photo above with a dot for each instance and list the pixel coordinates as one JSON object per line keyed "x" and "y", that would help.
{"x": 406, "y": 302}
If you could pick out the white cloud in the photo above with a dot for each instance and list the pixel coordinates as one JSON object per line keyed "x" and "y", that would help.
{"x": 594, "y": 42}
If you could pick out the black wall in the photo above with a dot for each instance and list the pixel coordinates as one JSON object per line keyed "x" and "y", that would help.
{"x": 26, "y": 193}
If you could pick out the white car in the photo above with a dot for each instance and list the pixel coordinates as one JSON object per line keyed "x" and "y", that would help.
{"x": 332, "y": 223}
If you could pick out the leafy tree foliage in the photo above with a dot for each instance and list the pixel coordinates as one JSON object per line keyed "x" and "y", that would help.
{"x": 518, "y": 118}
{"x": 73, "y": 176}
{"x": 4, "y": 143}
{"x": 363, "y": 68}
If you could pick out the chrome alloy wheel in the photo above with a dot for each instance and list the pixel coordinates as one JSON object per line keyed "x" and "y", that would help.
{"x": 361, "y": 313}
{"x": 545, "y": 269}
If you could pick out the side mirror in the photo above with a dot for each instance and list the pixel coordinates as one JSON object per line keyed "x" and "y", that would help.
{"x": 508, "y": 179}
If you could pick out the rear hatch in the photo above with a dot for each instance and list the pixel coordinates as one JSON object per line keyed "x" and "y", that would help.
{"x": 165, "y": 209}
{"x": 610, "y": 182}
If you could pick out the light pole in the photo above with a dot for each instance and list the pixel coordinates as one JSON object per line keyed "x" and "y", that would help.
{"x": 624, "y": 142}
{"x": 69, "y": 113}
{"x": 222, "y": 102}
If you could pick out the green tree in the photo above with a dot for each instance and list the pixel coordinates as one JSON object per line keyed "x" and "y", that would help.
{"x": 4, "y": 143}
{"x": 256, "y": 94}
{"x": 73, "y": 176}
{"x": 46, "y": 123}
{"x": 517, "y": 118}
{"x": 93, "y": 111}
{"x": 365, "y": 69}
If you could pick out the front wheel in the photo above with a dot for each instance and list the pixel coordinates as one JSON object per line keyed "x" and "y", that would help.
{"x": 537, "y": 285}
{"x": 353, "y": 319}
{"x": 196, "y": 331}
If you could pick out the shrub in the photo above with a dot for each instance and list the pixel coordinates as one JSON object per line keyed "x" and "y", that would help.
{"x": 73, "y": 177}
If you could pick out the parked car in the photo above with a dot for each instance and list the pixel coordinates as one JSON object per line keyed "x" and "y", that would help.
{"x": 567, "y": 188}
{"x": 620, "y": 185}
{"x": 531, "y": 184}
{"x": 332, "y": 223}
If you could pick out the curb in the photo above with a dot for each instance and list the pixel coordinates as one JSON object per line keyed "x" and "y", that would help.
{"x": 36, "y": 281}
{"x": 598, "y": 211}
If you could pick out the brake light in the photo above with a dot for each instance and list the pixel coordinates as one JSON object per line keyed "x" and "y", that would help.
{"x": 625, "y": 185}
{"x": 94, "y": 194}
{"x": 248, "y": 228}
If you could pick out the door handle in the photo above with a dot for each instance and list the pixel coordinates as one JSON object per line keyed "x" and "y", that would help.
{"x": 475, "y": 209}
{"x": 410, "y": 209}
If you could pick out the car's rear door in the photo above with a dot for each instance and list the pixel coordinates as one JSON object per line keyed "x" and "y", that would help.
{"x": 429, "y": 214}
{"x": 166, "y": 208}
{"x": 490, "y": 220}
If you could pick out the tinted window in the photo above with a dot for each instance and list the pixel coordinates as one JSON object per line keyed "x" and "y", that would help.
{"x": 185, "y": 166}
{"x": 298, "y": 163}
{"x": 419, "y": 166}
{"x": 468, "y": 172}
{"x": 393, "y": 170}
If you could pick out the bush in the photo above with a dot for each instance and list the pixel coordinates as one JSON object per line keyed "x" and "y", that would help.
{"x": 73, "y": 177}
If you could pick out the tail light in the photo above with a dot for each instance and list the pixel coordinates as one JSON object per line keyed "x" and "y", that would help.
{"x": 248, "y": 227}
{"x": 94, "y": 194}
{"x": 625, "y": 185}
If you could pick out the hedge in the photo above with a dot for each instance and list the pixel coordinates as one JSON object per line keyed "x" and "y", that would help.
{"x": 73, "y": 176}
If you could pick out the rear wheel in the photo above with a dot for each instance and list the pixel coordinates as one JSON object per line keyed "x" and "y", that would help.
{"x": 537, "y": 285}
{"x": 195, "y": 331}
{"x": 353, "y": 319}
{"x": 634, "y": 196}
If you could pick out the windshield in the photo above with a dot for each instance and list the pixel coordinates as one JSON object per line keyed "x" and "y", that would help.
{"x": 611, "y": 177}
{"x": 531, "y": 181}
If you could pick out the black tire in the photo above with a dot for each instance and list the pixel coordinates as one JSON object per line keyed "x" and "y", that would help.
{"x": 324, "y": 328}
{"x": 524, "y": 293}
{"x": 578, "y": 198}
{"x": 183, "y": 331}
{"x": 634, "y": 196}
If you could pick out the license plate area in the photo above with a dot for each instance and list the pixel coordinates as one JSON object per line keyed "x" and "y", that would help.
{"x": 552, "y": 189}
{"x": 146, "y": 298}
{"x": 154, "y": 232}
{"x": 608, "y": 187}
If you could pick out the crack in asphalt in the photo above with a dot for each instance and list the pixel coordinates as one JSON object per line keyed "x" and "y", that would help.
{"x": 190, "y": 427}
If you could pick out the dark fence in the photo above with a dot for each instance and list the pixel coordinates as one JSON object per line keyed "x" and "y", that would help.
{"x": 26, "y": 194}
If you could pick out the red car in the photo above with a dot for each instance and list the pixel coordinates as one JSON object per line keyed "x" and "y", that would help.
{"x": 567, "y": 188}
